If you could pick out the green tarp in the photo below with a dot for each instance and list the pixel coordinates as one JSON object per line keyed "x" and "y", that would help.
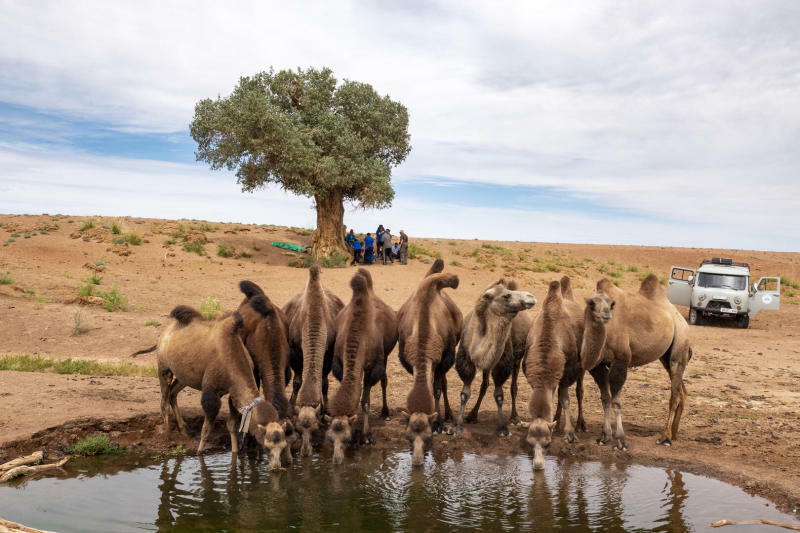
{"x": 289, "y": 246}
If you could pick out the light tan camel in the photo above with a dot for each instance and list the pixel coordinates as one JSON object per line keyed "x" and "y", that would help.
{"x": 210, "y": 356}
{"x": 366, "y": 332}
{"x": 429, "y": 325}
{"x": 644, "y": 327}
{"x": 312, "y": 333}
{"x": 486, "y": 344}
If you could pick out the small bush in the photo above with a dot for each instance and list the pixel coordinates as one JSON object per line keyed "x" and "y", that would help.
{"x": 451, "y": 243}
{"x": 78, "y": 326}
{"x": 116, "y": 229}
{"x": 195, "y": 248}
{"x": 152, "y": 322}
{"x": 15, "y": 235}
{"x": 133, "y": 239}
{"x": 100, "y": 262}
{"x": 95, "y": 445}
{"x": 169, "y": 242}
{"x": 114, "y": 300}
{"x": 86, "y": 290}
{"x": 27, "y": 363}
{"x": 210, "y": 307}
{"x": 455, "y": 263}
{"x": 788, "y": 283}
{"x": 225, "y": 250}
{"x": 94, "y": 280}
{"x": 118, "y": 240}
{"x": 632, "y": 268}
{"x": 5, "y": 279}
{"x": 336, "y": 260}
{"x": 245, "y": 255}
{"x": 88, "y": 224}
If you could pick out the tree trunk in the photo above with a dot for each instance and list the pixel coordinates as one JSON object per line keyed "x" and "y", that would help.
{"x": 329, "y": 235}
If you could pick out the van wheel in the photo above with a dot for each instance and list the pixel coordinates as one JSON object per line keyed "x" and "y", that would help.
{"x": 695, "y": 317}
{"x": 744, "y": 321}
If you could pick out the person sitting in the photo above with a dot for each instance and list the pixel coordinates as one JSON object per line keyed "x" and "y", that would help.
{"x": 349, "y": 238}
{"x": 395, "y": 252}
{"x": 356, "y": 252}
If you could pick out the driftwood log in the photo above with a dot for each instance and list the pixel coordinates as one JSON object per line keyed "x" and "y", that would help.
{"x": 25, "y": 470}
{"x": 720, "y": 523}
{"x": 13, "y": 527}
{"x": 31, "y": 459}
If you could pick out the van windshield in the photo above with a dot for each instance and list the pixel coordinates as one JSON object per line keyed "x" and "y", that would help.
{"x": 722, "y": 281}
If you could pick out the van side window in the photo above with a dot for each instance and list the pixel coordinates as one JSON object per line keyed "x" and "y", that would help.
{"x": 768, "y": 284}
{"x": 681, "y": 274}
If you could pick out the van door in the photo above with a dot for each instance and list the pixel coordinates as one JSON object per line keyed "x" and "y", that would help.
{"x": 767, "y": 296}
{"x": 679, "y": 286}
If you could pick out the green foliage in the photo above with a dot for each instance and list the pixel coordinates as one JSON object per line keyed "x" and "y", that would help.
{"x": 210, "y": 307}
{"x": 415, "y": 250}
{"x": 114, "y": 300}
{"x": 177, "y": 451}
{"x": 451, "y": 243}
{"x": 100, "y": 262}
{"x": 788, "y": 283}
{"x": 116, "y": 229}
{"x": 169, "y": 242}
{"x": 133, "y": 239}
{"x": 86, "y": 290}
{"x": 78, "y": 326}
{"x": 195, "y": 247}
{"x": 27, "y": 363}
{"x": 152, "y": 322}
{"x": 245, "y": 255}
{"x": 5, "y": 279}
{"x": 88, "y": 224}
{"x": 15, "y": 235}
{"x": 337, "y": 259}
{"x": 306, "y": 132}
{"x": 118, "y": 240}
{"x": 225, "y": 250}
{"x": 455, "y": 263}
{"x": 95, "y": 445}
{"x": 95, "y": 279}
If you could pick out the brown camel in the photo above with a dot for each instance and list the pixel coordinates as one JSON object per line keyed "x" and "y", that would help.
{"x": 644, "y": 327}
{"x": 429, "y": 328}
{"x": 312, "y": 332}
{"x": 552, "y": 360}
{"x": 486, "y": 344}
{"x": 575, "y": 310}
{"x": 366, "y": 332}
{"x": 210, "y": 356}
{"x": 266, "y": 342}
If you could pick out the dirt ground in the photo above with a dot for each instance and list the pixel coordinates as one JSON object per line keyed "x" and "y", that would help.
{"x": 742, "y": 423}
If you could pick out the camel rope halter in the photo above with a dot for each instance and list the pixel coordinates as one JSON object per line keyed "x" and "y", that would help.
{"x": 247, "y": 413}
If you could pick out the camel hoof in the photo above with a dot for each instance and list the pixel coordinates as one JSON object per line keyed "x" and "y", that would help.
{"x": 367, "y": 440}
{"x": 514, "y": 419}
{"x": 502, "y": 431}
{"x": 385, "y": 414}
{"x": 570, "y": 438}
{"x": 471, "y": 418}
{"x": 621, "y": 447}
{"x": 581, "y": 426}
{"x": 664, "y": 442}
{"x": 449, "y": 430}
{"x": 437, "y": 427}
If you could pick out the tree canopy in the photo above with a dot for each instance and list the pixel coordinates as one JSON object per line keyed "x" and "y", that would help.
{"x": 306, "y": 132}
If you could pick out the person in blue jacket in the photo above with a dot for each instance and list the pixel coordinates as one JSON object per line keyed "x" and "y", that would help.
{"x": 369, "y": 249}
{"x": 356, "y": 252}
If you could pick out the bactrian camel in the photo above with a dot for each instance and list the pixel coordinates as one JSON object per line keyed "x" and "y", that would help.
{"x": 312, "y": 332}
{"x": 486, "y": 344}
{"x": 429, "y": 325}
{"x": 209, "y": 355}
{"x": 366, "y": 332}
{"x": 643, "y": 328}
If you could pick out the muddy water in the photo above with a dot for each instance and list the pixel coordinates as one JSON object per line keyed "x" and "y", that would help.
{"x": 379, "y": 493}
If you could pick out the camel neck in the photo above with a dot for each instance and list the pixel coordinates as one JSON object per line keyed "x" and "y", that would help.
{"x": 594, "y": 342}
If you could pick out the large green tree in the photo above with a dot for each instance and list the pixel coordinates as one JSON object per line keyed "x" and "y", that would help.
{"x": 333, "y": 142}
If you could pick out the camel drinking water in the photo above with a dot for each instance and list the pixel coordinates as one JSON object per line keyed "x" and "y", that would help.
{"x": 486, "y": 344}
{"x": 645, "y": 327}
{"x": 311, "y": 315}
{"x": 210, "y": 356}
{"x": 429, "y": 325}
{"x": 366, "y": 332}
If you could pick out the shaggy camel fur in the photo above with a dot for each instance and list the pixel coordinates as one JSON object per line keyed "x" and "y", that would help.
{"x": 312, "y": 332}
{"x": 520, "y": 327}
{"x": 575, "y": 310}
{"x": 366, "y": 332}
{"x": 486, "y": 344}
{"x": 429, "y": 328}
{"x": 553, "y": 360}
{"x": 644, "y": 327}
{"x": 266, "y": 342}
{"x": 210, "y": 356}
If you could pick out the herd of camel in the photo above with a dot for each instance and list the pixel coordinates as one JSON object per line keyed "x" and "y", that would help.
{"x": 250, "y": 354}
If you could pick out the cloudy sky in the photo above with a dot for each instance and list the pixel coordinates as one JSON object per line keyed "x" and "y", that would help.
{"x": 634, "y": 123}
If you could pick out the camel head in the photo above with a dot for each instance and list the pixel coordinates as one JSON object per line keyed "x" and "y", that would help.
{"x": 418, "y": 432}
{"x": 270, "y": 433}
{"x": 599, "y": 308}
{"x": 340, "y": 433}
{"x": 503, "y": 301}
{"x": 307, "y": 421}
{"x": 539, "y": 437}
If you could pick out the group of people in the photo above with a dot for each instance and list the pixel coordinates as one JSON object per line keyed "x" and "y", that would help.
{"x": 381, "y": 246}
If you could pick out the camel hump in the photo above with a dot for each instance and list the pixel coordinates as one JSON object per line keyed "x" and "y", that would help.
{"x": 238, "y": 321}
{"x": 314, "y": 272}
{"x": 440, "y": 281}
{"x": 553, "y": 298}
{"x": 261, "y": 305}
{"x": 604, "y": 285}
{"x": 436, "y": 267}
{"x": 650, "y": 287}
{"x": 566, "y": 288}
{"x": 359, "y": 285}
{"x": 250, "y": 289}
{"x": 512, "y": 285}
{"x": 364, "y": 272}
{"x": 184, "y": 314}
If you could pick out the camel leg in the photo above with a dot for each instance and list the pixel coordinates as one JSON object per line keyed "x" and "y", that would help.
{"x": 175, "y": 388}
{"x": 385, "y": 408}
{"x": 438, "y": 380}
{"x": 472, "y": 417}
{"x": 500, "y": 375}
{"x": 366, "y": 434}
{"x": 448, "y": 413}
{"x": 297, "y": 381}
{"x": 514, "y": 418}
{"x": 211, "y": 404}
{"x": 617, "y": 375}
{"x": 234, "y": 418}
{"x": 466, "y": 371}
{"x": 600, "y": 375}
{"x": 563, "y": 400}
{"x": 164, "y": 380}
{"x": 581, "y": 425}
{"x": 675, "y": 366}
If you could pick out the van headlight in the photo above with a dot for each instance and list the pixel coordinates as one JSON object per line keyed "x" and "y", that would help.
{"x": 737, "y": 300}
{"x": 702, "y": 297}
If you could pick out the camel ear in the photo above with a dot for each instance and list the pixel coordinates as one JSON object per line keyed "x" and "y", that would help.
{"x": 433, "y": 417}
{"x": 525, "y": 425}
{"x": 353, "y": 419}
{"x": 552, "y": 425}
{"x": 326, "y": 419}
{"x": 262, "y": 427}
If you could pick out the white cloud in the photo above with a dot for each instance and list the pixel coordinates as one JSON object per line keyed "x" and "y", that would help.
{"x": 688, "y": 113}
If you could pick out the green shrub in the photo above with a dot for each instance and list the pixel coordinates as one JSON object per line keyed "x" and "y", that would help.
{"x": 133, "y": 239}
{"x": 632, "y": 268}
{"x": 245, "y": 255}
{"x": 116, "y": 229}
{"x": 94, "y": 280}
{"x": 455, "y": 263}
{"x": 86, "y": 290}
{"x": 195, "y": 247}
{"x": 95, "y": 445}
{"x": 27, "y": 363}
{"x": 225, "y": 250}
{"x": 336, "y": 260}
{"x": 152, "y": 322}
{"x": 5, "y": 279}
{"x": 114, "y": 300}
{"x": 100, "y": 262}
{"x": 15, "y": 235}
{"x": 88, "y": 224}
{"x": 118, "y": 240}
{"x": 210, "y": 307}
{"x": 788, "y": 283}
